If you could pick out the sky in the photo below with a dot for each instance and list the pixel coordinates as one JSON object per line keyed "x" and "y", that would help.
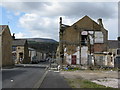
{"x": 41, "y": 19}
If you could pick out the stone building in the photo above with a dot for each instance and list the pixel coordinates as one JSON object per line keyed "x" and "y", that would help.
{"x": 5, "y": 46}
{"x": 32, "y": 54}
{"x": 114, "y": 52}
{"x": 82, "y": 42}
{"x": 20, "y": 51}
{"x": 112, "y": 49}
{"x": 41, "y": 56}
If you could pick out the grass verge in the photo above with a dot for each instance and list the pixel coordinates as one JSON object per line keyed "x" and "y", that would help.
{"x": 80, "y": 83}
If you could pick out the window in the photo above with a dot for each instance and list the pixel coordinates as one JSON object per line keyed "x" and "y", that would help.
{"x": 13, "y": 48}
{"x": 118, "y": 52}
{"x": 83, "y": 39}
{"x": 99, "y": 37}
{"x": 84, "y": 35}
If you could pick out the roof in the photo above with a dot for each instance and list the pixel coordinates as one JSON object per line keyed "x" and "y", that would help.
{"x": 31, "y": 49}
{"x": 86, "y": 23}
{"x": 2, "y": 27}
{"x": 84, "y": 19}
{"x": 113, "y": 44}
{"x": 63, "y": 26}
{"x": 19, "y": 42}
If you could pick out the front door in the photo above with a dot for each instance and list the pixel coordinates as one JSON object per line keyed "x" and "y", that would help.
{"x": 74, "y": 59}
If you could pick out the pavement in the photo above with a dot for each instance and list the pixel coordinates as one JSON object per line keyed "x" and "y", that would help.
{"x": 32, "y": 65}
{"x": 54, "y": 80}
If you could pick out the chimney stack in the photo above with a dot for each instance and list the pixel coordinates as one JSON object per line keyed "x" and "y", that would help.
{"x": 118, "y": 38}
{"x": 118, "y": 42}
{"x": 60, "y": 20}
{"x": 13, "y": 36}
{"x": 100, "y": 22}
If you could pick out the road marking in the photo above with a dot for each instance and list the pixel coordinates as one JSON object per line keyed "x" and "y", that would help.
{"x": 56, "y": 71}
{"x": 53, "y": 68}
{"x": 38, "y": 84}
{"x": 11, "y": 80}
{"x": 9, "y": 69}
{"x": 46, "y": 67}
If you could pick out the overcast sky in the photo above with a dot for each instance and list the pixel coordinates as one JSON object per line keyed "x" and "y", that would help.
{"x": 41, "y": 19}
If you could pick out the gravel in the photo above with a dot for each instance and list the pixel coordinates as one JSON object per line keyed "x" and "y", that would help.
{"x": 106, "y": 78}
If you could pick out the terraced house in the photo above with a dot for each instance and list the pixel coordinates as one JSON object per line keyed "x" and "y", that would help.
{"x": 83, "y": 43}
{"x": 20, "y": 51}
{"x": 5, "y": 46}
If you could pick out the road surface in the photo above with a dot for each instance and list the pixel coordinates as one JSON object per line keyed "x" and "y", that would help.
{"x": 21, "y": 77}
{"x": 54, "y": 80}
{"x": 32, "y": 76}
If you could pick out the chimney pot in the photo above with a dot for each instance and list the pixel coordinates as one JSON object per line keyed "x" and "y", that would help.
{"x": 60, "y": 20}
{"x": 118, "y": 38}
{"x": 100, "y": 22}
{"x": 13, "y": 36}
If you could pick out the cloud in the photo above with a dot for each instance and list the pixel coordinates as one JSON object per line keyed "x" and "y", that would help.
{"x": 41, "y": 19}
{"x": 70, "y": 9}
{"x": 20, "y": 35}
{"x": 39, "y": 26}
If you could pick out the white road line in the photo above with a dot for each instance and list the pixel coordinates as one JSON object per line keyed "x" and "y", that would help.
{"x": 10, "y": 69}
{"x": 40, "y": 81}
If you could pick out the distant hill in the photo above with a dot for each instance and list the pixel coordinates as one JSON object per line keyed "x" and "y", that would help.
{"x": 42, "y": 40}
{"x": 43, "y": 44}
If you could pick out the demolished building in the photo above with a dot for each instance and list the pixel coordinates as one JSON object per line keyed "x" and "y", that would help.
{"x": 83, "y": 43}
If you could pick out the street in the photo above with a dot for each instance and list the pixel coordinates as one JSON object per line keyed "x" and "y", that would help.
{"x": 32, "y": 76}
{"x": 21, "y": 77}
{"x": 54, "y": 80}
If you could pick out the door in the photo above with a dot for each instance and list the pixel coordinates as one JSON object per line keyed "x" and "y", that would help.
{"x": 74, "y": 59}
{"x": 84, "y": 55}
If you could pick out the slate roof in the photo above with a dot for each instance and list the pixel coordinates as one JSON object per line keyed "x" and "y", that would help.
{"x": 95, "y": 25}
{"x": 2, "y": 27}
{"x": 113, "y": 44}
{"x": 88, "y": 19}
{"x": 19, "y": 42}
{"x": 31, "y": 49}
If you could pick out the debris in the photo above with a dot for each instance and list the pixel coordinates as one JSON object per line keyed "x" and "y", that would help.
{"x": 11, "y": 80}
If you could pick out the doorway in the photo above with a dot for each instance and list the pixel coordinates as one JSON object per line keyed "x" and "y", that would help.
{"x": 74, "y": 59}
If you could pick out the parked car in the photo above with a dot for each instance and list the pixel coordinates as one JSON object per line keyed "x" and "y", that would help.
{"x": 42, "y": 60}
{"x": 35, "y": 61}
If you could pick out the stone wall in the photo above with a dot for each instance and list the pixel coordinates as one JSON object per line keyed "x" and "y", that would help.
{"x": 7, "y": 48}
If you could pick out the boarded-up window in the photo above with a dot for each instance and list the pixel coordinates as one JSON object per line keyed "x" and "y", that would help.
{"x": 98, "y": 37}
{"x": 118, "y": 51}
{"x": 91, "y": 39}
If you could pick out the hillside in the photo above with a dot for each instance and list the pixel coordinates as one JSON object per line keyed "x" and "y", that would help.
{"x": 43, "y": 44}
{"x": 41, "y": 40}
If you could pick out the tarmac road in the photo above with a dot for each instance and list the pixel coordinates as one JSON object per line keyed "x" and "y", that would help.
{"x": 32, "y": 76}
{"x": 54, "y": 80}
{"x": 22, "y": 77}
